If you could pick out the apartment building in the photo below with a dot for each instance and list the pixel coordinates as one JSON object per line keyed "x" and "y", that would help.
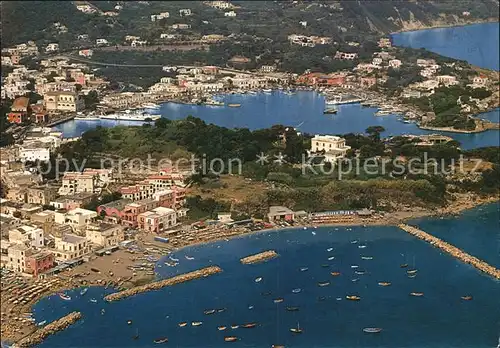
{"x": 157, "y": 220}
{"x": 27, "y": 235}
{"x": 41, "y": 195}
{"x": 77, "y": 218}
{"x": 37, "y": 263}
{"x": 63, "y": 101}
{"x": 104, "y": 234}
{"x": 75, "y": 182}
{"x": 70, "y": 247}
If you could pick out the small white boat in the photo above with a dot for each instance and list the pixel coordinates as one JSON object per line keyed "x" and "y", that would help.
{"x": 354, "y": 242}
{"x": 303, "y": 269}
{"x": 189, "y": 258}
{"x": 313, "y": 233}
{"x": 361, "y": 246}
{"x": 196, "y": 323}
{"x": 267, "y": 90}
{"x": 93, "y": 300}
{"x": 41, "y": 323}
{"x": 372, "y": 329}
{"x": 250, "y": 307}
{"x": 259, "y": 279}
{"x": 150, "y": 106}
{"x": 65, "y": 297}
{"x": 331, "y": 258}
{"x": 296, "y": 291}
{"x": 329, "y": 249}
{"x": 84, "y": 291}
{"x": 354, "y": 266}
{"x": 366, "y": 257}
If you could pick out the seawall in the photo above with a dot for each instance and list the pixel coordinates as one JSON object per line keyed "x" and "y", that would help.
{"x": 452, "y": 250}
{"x": 52, "y": 328}
{"x": 181, "y": 278}
{"x": 260, "y": 257}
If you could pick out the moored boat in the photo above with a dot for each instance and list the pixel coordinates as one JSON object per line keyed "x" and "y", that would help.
{"x": 353, "y": 298}
{"x": 404, "y": 265}
{"x": 64, "y": 297}
{"x": 296, "y": 330}
{"x": 221, "y": 328}
{"x": 296, "y": 291}
{"x": 84, "y": 291}
{"x": 417, "y": 294}
{"x": 323, "y": 284}
{"x": 257, "y": 280}
{"x": 189, "y": 258}
{"x": 249, "y": 325}
{"x": 234, "y": 105}
{"x": 292, "y": 309}
{"x": 335, "y": 273}
{"x": 234, "y": 327}
{"x": 466, "y": 298}
{"x": 160, "y": 340}
{"x": 412, "y": 271}
{"x": 42, "y": 323}
{"x": 209, "y": 311}
{"x": 93, "y": 300}
{"x": 372, "y": 329}
{"x": 196, "y": 323}
{"x": 384, "y": 283}
{"x": 303, "y": 269}
{"x": 230, "y": 338}
{"x": 182, "y": 324}
{"x": 278, "y": 300}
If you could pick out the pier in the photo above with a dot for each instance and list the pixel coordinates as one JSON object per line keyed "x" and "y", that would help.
{"x": 181, "y": 278}
{"x": 452, "y": 250}
{"x": 260, "y": 257}
{"x": 61, "y": 120}
{"x": 39, "y": 335}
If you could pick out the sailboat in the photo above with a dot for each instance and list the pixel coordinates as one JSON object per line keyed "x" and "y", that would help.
{"x": 296, "y": 330}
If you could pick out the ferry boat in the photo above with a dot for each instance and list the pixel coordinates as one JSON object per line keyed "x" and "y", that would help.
{"x": 417, "y": 294}
{"x": 230, "y": 339}
{"x": 182, "y": 324}
{"x": 234, "y": 105}
{"x": 221, "y": 328}
{"x": 296, "y": 330}
{"x": 64, "y": 297}
{"x": 160, "y": 340}
{"x": 323, "y": 284}
{"x": 372, "y": 329}
{"x": 335, "y": 273}
{"x": 353, "y": 298}
{"x": 249, "y": 325}
{"x": 259, "y": 279}
{"x": 296, "y": 291}
{"x": 209, "y": 311}
{"x": 384, "y": 283}
{"x": 130, "y": 116}
{"x": 466, "y": 298}
{"x": 150, "y": 106}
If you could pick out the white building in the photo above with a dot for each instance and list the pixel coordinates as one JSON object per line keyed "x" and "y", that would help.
{"x": 69, "y": 247}
{"x": 157, "y": 17}
{"x": 77, "y": 218}
{"x": 85, "y": 8}
{"x": 268, "y": 68}
{"x": 230, "y": 14}
{"x": 27, "y": 235}
{"x": 52, "y": 47}
{"x": 330, "y": 146}
{"x": 101, "y": 42}
{"x": 17, "y": 257}
{"x": 104, "y": 234}
{"x": 185, "y": 12}
{"x": 33, "y": 154}
{"x": 447, "y": 80}
{"x": 395, "y": 63}
{"x": 303, "y": 23}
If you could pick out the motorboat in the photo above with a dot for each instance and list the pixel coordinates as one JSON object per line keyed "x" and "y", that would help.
{"x": 366, "y": 258}
{"x": 150, "y": 106}
{"x": 292, "y": 309}
{"x": 296, "y": 291}
{"x": 209, "y": 311}
{"x": 329, "y": 249}
{"x": 267, "y": 90}
{"x": 335, "y": 273}
{"x": 182, "y": 324}
{"x": 417, "y": 294}
{"x": 234, "y": 327}
{"x": 230, "y": 339}
{"x": 160, "y": 340}
{"x": 384, "y": 283}
{"x": 296, "y": 330}
{"x": 331, "y": 258}
{"x": 411, "y": 271}
{"x": 249, "y": 325}
{"x": 323, "y": 284}
{"x": 372, "y": 329}
{"x": 303, "y": 269}
{"x": 189, "y": 258}
{"x": 196, "y": 323}
{"x": 64, "y": 297}
{"x": 259, "y": 279}
{"x": 466, "y": 298}
{"x": 353, "y": 298}
{"x": 84, "y": 291}
{"x": 221, "y": 328}
{"x": 234, "y": 105}
{"x": 278, "y": 300}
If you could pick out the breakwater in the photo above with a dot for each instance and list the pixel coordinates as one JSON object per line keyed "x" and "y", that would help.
{"x": 52, "y": 328}
{"x": 181, "y": 278}
{"x": 260, "y": 257}
{"x": 452, "y": 250}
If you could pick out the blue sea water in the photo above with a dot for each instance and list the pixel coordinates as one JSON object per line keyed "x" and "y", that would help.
{"x": 303, "y": 110}
{"x": 478, "y": 44}
{"x": 438, "y": 319}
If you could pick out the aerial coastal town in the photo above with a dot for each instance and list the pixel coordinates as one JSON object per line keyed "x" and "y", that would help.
{"x": 114, "y": 225}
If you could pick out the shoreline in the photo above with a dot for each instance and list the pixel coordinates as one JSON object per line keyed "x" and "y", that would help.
{"x": 450, "y": 25}
{"x": 395, "y": 219}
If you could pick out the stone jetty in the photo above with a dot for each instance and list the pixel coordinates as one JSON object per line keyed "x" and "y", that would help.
{"x": 181, "y": 278}
{"x": 39, "y": 335}
{"x": 260, "y": 257}
{"x": 452, "y": 250}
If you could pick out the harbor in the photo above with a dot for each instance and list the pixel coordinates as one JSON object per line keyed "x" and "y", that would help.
{"x": 201, "y": 273}
{"x": 56, "y": 326}
{"x": 452, "y": 250}
{"x": 260, "y": 257}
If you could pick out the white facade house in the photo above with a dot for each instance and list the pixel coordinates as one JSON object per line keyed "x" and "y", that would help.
{"x": 330, "y": 146}
{"x": 185, "y": 12}
{"x": 52, "y": 47}
{"x": 33, "y": 154}
{"x": 101, "y": 42}
{"x": 230, "y": 14}
{"x": 27, "y": 235}
{"x": 395, "y": 63}
{"x": 157, "y": 17}
{"x": 77, "y": 218}
{"x": 69, "y": 247}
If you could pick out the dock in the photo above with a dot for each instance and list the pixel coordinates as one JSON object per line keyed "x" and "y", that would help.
{"x": 39, "y": 335}
{"x": 61, "y": 120}
{"x": 452, "y": 250}
{"x": 181, "y": 278}
{"x": 260, "y": 257}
